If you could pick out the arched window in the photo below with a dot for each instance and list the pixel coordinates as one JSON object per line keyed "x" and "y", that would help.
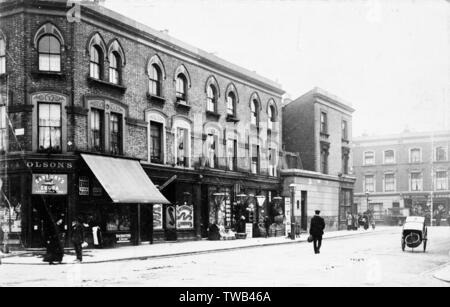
{"x": 2, "y": 56}
{"x": 254, "y": 112}
{"x": 181, "y": 87}
{"x": 49, "y": 49}
{"x": 114, "y": 68}
{"x": 155, "y": 80}
{"x": 231, "y": 104}
{"x": 211, "y": 100}
{"x": 96, "y": 66}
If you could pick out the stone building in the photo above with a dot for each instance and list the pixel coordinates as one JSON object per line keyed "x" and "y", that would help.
{"x": 318, "y": 126}
{"x": 88, "y": 94}
{"x": 403, "y": 174}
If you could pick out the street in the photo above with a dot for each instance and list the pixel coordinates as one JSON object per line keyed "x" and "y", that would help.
{"x": 372, "y": 259}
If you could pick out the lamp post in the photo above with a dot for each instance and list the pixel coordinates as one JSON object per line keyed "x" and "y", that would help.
{"x": 367, "y": 200}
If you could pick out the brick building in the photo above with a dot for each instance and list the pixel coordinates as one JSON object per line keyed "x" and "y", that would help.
{"x": 86, "y": 96}
{"x": 318, "y": 126}
{"x": 401, "y": 175}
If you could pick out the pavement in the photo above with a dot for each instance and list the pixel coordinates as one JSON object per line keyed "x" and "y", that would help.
{"x": 443, "y": 273}
{"x": 177, "y": 249}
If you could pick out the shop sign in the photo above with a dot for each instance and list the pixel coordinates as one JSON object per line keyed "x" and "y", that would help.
{"x": 123, "y": 238}
{"x": 157, "y": 217}
{"x": 50, "y": 165}
{"x": 83, "y": 186}
{"x": 171, "y": 219}
{"x": 49, "y": 184}
{"x": 249, "y": 230}
{"x": 185, "y": 217}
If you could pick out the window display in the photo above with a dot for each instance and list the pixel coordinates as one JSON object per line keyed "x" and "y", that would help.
{"x": 118, "y": 219}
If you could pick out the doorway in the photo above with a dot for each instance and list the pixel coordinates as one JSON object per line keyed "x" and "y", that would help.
{"x": 304, "y": 211}
{"x": 49, "y": 217}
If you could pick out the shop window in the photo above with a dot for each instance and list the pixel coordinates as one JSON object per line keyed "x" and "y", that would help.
{"x": 3, "y": 129}
{"x": 369, "y": 183}
{"x": 441, "y": 180}
{"x": 118, "y": 219}
{"x": 416, "y": 181}
{"x": 231, "y": 104}
{"x": 181, "y": 87}
{"x": 441, "y": 154}
{"x": 49, "y": 49}
{"x": 156, "y": 138}
{"x": 97, "y": 141}
{"x": 96, "y": 62}
{"x": 389, "y": 183}
{"x": 2, "y": 56}
{"x": 114, "y": 68}
{"x": 49, "y": 126}
{"x": 115, "y": 140}
{"x": 155, "y": 80}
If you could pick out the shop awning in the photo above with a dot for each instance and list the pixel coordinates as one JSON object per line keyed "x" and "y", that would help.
{"x": 124, "y": 180}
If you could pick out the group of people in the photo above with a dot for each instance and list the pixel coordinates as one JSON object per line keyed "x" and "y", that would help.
{"x": 54, "y": 238}
{"x": 354, "y": 221}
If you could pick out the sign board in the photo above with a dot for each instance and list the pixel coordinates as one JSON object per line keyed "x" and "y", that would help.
{"x": 171, "y": 218}
{"x": 97, "y": 189}
{"x": 157, "y": 217}
{"x": 123, "y": 238}
{"x": 19, "y": 132}
{"x": 49, "y": 184}
{"x": 185, "y": 217}
{"x": 83, "y": 186}
{"x": 249, "y": 230}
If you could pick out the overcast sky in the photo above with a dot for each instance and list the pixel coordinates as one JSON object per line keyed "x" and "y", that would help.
{"x": 389, "y": 59}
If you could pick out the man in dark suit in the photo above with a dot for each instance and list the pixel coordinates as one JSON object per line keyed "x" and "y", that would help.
{"x": 78, "y": 238}
{"x": 316, "y": 231}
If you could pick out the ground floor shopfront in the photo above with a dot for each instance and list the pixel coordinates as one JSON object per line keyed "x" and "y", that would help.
{"x": 393, "y": 208}
{"x": 310, "y": 191}
{"x": 47, "y": 192}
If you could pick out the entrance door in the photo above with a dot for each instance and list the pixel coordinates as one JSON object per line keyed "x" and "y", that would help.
{"x": 146, "y": 223}
{"x": 304, "y": 211}
{"x": 204, "y": 212}
{"x": 49, "y": 216}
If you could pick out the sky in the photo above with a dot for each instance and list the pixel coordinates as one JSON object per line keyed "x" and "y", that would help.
{"x": 389, "y": 59}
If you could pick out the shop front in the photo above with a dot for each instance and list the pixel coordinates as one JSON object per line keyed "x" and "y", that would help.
{"x": 117, "y": 200}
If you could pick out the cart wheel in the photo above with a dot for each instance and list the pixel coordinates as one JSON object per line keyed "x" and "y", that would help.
{"x": 403, "y": 244}
{"x": 425, "y": 245}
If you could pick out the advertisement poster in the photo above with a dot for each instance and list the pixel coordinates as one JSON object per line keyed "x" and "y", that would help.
{"x": 287, "y": 214}
{"x": 249, "y": 230}
{"x": 157, "y": 217}
{"x": 185, "y": 217}
{"x": 49, "y": 184}
{"x": 171, "y": 219}
{"x": 83, "y": 186}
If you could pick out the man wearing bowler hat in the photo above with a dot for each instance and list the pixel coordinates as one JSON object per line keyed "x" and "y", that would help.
{"x": 316, "y": 231}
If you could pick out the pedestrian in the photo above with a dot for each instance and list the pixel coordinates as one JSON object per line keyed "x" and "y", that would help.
{"x": 54, "y": 249}
{"x": 267, "y": 225}
{"x": 78, "y": 238}
{"x": 316, "y": 231}
{"x": 349, "y": 221}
